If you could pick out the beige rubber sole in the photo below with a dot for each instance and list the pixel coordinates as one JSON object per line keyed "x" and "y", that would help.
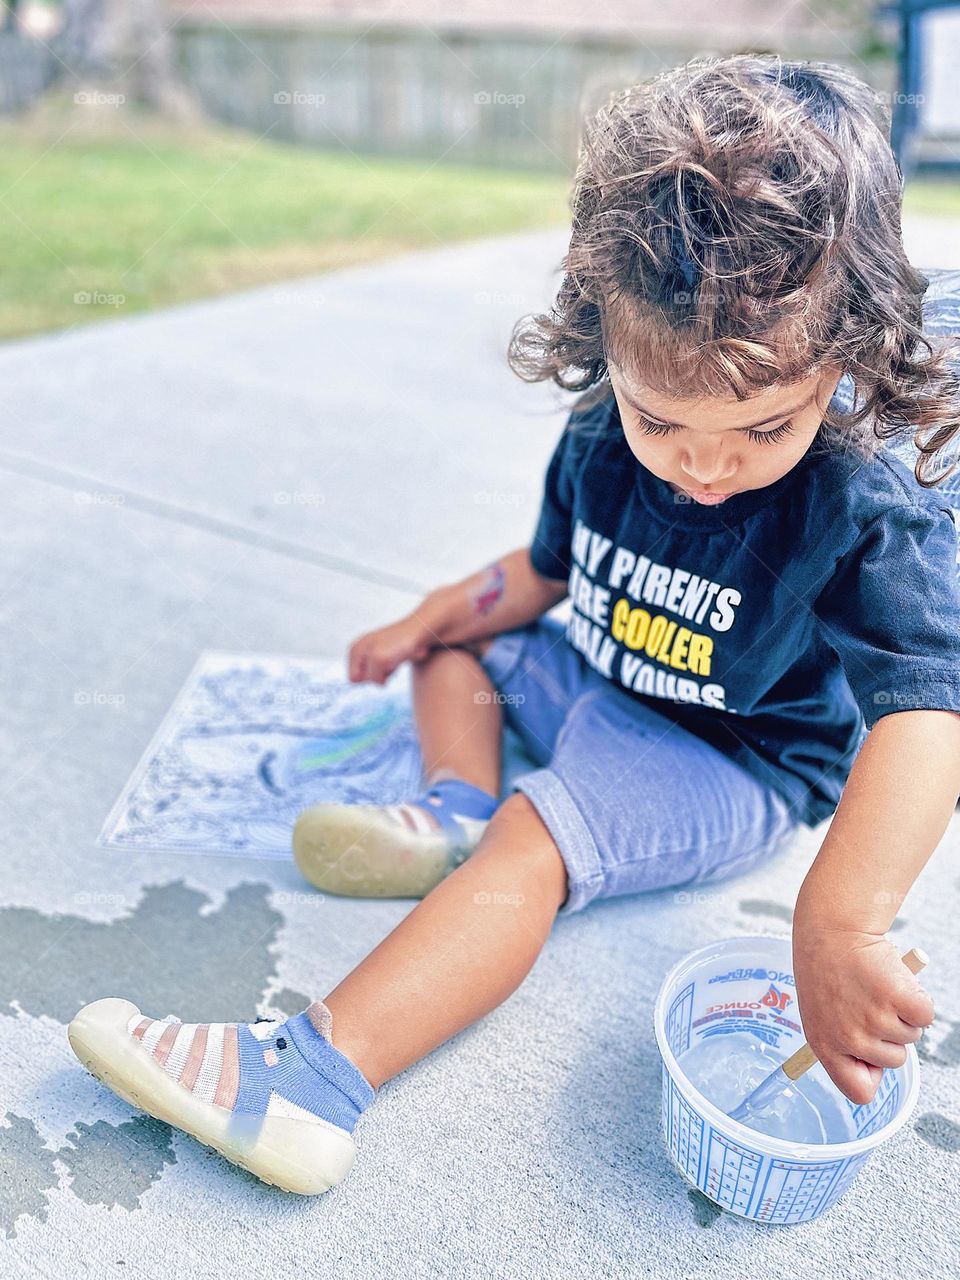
{"x": 294, "y": 1155}
{"x": 356, "y": 851}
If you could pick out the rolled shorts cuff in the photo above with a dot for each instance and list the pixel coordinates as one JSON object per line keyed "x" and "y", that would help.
{"x": 563, "y": 820}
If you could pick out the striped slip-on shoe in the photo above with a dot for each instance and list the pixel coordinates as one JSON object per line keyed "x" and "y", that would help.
{"x": 274, "y": 1097}
{"x": 391, "y": 851}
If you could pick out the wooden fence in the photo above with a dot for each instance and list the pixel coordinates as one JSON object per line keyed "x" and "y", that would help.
{"x": 476, "y": 97}
{"x": 460, "y": 95}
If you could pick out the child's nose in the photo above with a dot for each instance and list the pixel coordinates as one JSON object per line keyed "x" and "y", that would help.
{"x": 708, "y": 468}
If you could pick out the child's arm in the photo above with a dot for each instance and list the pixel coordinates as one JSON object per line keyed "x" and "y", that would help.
{"x": 502, "y": 596}
{"x": 858, "y": 1002}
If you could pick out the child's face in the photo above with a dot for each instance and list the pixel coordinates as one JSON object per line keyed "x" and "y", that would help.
{"x": 711, "y": 448}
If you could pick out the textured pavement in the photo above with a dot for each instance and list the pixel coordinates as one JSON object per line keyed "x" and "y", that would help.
{"x": 278, "y": 471}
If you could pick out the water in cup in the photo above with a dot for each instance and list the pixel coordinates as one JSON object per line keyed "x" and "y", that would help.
{"x": 725, "y": 1068}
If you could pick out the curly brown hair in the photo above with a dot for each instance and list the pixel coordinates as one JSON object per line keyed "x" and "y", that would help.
{"x": 736, "y": 224}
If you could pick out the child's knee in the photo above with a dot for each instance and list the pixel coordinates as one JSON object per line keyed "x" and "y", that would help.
{"x": 518, "y": 815}
{"x": 448, "y": 659}
{"x": 478, "y": 647}
{"x": 518, "y": 836}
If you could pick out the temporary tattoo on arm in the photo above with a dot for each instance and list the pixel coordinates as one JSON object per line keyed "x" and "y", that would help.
{"x": 490, "y": 591}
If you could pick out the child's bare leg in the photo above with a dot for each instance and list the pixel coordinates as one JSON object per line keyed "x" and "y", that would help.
{"x": 458, "y": 719}
{"x": 457, "y": 955}
{"x": 282, "y": 1098}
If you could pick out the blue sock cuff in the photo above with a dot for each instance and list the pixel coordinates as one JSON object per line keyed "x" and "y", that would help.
{"x": 329, "y": 1061}
{"x": 457, "y": 796}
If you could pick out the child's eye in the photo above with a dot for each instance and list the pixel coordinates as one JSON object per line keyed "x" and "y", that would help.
{"x": 654, "y": 428}
{"x": 770, "y": 437}
{"x": 650, "y": 428}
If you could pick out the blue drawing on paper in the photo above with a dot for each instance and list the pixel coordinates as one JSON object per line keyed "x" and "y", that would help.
{"x": 250, "y": 742}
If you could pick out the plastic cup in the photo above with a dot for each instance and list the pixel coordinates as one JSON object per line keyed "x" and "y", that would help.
{"x": 747, "y": 984}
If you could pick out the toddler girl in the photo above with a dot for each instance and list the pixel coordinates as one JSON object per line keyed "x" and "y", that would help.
{"x": 763, "y": 626}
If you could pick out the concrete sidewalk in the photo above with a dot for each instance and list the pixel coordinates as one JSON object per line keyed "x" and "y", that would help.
{"x": 277, "y": 471}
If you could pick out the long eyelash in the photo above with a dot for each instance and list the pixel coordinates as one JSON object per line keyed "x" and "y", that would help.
{"x": 654, "y": 428}
{"x": 769, "y": 437}
{"x": 763, "y": 437}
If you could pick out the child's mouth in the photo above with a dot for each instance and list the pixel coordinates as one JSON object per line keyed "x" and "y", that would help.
{"x": 704, "y": 496}
{"x": 707, "y": 499}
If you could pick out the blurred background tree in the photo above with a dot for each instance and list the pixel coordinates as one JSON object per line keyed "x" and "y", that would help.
{"x": 161, "y": 150}
{"x": 123, "y": 47}
{"x": 10, "y": 15}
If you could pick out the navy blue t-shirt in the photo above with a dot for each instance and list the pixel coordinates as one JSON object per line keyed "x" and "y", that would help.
{"x": 778, "y": 625}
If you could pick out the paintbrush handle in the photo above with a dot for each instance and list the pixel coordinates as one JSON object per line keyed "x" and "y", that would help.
{"x": 804, "y": 1058}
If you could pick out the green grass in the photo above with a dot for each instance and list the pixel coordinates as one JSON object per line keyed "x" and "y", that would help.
{"x": 938, "y": 196}
{"x": 137, "y": 214}
{"x": 172, "y": 215}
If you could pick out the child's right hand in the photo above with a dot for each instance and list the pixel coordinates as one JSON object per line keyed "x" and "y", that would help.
{"x": 377, "y": 654}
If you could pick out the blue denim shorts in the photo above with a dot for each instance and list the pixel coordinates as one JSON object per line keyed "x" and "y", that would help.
{"x": 633, "y": 801}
